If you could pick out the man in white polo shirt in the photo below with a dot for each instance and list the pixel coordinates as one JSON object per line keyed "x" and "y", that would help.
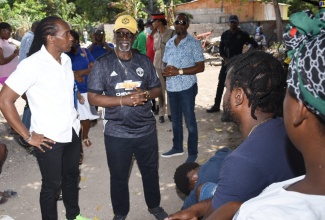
{"x": 47, "y": 79}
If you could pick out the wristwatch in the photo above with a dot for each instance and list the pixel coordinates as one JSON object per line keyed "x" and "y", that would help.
{"x": 180, "y": 72}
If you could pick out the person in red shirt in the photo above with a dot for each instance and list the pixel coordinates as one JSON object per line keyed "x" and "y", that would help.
{"x": 150, "y": 30}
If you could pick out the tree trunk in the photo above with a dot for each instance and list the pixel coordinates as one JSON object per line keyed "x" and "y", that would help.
{"x": 278, "y": 18}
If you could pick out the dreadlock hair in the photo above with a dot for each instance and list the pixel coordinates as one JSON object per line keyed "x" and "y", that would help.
{"x": 47, "y": 26}
{"x": 4, "y": 25}
{"x": 262, "y": 78}
{"x": 180, "y": 177}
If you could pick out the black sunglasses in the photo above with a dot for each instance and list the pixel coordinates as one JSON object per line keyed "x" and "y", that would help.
{"x": 99, "y": 32}
{"x": 181, "y": 22}
{"x": 121, "y": 35}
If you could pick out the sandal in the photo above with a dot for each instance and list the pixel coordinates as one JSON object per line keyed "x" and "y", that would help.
{"x": 9, "y": 193}
{"x": 87, "y": 142}
{"x": 3, "y": 200}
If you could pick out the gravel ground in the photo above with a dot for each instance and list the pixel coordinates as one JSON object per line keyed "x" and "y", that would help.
{"x": 21, "y": 173}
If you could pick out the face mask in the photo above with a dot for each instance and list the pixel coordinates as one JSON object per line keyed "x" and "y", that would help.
{"x": 148, "y": 30}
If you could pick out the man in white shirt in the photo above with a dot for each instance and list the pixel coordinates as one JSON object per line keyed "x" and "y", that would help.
{"x": 47, "y": 79}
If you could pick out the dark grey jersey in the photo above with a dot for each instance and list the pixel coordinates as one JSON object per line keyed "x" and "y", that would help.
{"x": 113, "y": 77}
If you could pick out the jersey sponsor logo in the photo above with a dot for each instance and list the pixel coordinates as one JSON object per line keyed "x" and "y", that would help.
{"x": 113, "y": 73}
{"x": 139, "y": 71}
{"x": 128, "y": 85}
{"x": 122, "y": 93}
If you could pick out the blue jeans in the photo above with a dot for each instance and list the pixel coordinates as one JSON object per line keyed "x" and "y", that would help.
{"x": 207, "y": 191}
{"x": 26, "y": 116}
{"x": 183, "y": 102}
{"x": 119, "y": 152}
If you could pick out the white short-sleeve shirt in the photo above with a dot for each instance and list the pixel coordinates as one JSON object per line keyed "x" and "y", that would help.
{"x": 49, "y": 89}
{"x": 276, "y": 203}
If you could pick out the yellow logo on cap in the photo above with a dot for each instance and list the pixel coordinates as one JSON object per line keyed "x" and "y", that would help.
{"x": 125, "y": 21}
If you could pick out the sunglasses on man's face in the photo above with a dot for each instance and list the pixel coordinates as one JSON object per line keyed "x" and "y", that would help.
{"x": 181, "y": 22}
{"x": 121, "y": 35}
{"x": 99, "y": 32}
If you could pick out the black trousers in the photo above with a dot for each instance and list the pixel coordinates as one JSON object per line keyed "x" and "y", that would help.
{"x": 221, "y": 85}
{"x": 119, "y": 153}
{"x": 60, "y": 168}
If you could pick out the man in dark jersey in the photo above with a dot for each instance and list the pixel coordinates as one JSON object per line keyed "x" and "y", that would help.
{"x": 123, "y": 82}
{"x": 232, "y": 42}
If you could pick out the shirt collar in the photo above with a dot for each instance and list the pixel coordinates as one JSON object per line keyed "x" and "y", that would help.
{"x": 49, "y": 56}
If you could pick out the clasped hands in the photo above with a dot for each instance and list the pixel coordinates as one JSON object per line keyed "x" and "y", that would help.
{"x": 138, "y": 97}
{"x": 170, "y": 71}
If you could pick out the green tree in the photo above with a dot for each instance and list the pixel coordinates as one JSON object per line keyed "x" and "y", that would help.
{"x": 131, "y": 7}
{"x": 94, "y": 11}
{"x": 21, "y": 14}
{"x": 297, "y": 5}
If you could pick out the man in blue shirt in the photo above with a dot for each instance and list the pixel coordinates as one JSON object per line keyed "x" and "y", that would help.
{"x": 99, "y": 46}
{"x": 26, "y": 42}
{"x": 199, "y": 182}
{"x": 184, "y": 58}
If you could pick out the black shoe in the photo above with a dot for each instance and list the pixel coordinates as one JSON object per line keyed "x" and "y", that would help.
{"x": 119, "y": 217}
{"x": 213, "y": 109}
{"x": 161, "y": 119}
{"x": 191, "y": 158}
{"x": 159, "y": 213}
{"x": 170, "y": 117}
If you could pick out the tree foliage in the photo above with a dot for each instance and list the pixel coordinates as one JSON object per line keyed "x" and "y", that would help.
{"x": 296, "y": 5}
{"x": 86, "y": 14}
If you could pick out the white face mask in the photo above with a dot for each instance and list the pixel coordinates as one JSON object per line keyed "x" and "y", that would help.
{"x": 148, "y": 30}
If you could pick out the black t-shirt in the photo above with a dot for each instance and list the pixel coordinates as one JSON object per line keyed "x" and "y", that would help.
{"x": 232, "y": 43}
{"x": 108, "y": 77}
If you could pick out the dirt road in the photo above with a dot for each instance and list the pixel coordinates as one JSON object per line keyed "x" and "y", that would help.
{"x": 21, "y": 172}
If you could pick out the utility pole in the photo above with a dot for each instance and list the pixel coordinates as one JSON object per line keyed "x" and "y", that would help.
{"x": 278, "y": 19}
{"x": 150, "y": 5}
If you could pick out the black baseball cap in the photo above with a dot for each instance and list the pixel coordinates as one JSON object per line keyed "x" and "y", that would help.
{"x": 233, "y": 18}
{"x": 149, "y": 22}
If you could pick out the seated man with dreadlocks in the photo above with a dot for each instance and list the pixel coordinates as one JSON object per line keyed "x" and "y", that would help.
{"x": 304, "y": 117}
{"x": 199, "y": 182}
{"x": 253, "y": 100}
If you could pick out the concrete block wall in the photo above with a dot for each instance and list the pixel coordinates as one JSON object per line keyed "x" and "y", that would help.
{"x": 269, "y": 28}
{"x": 205, "y": 15}
{"x": 218, "y": 29}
